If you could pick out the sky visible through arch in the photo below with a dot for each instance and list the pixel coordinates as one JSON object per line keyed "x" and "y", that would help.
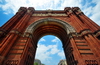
{"x": 50, "y": 50}
{"x": 8, "y": 8}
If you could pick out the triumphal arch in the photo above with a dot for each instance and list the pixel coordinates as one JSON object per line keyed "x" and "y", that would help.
{"x": 80, "y": 36}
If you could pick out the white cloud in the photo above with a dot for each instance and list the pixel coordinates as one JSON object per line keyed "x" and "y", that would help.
{"x": 96, "y": 12}
{"x": 44, "y": 52}
{"x": 13, "y": 6}
{"x": 42, "y": 39}
{"x": 61, "y": 54}
{"x": 55, "y": 40}
{"x": 54, "y": 49}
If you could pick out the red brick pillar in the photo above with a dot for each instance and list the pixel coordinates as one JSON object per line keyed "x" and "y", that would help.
{"x": 7, "y": 44}
{"x": 75, "y": 20}
{"x": 94, "y": 48}
{"x": 23, "y": 21}
{"x": 89, "y": 23}
{"x": 76, "y": 53}
{"x": 28, "y": 54}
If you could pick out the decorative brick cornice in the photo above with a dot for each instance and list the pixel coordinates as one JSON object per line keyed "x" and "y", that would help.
{"x": 85, "y": 32}
{"x": 82, "y": 33}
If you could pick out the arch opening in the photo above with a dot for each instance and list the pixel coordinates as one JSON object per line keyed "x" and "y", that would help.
{"x": 49, "y": 50}
{"x": 50, "y": 26}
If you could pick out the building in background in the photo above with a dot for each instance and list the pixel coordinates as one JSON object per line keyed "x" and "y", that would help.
{"x": 37, "y": 62}
{"x": 62, "y": 62}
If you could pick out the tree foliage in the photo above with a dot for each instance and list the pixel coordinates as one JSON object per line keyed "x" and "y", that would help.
{"x": 35, "y": 63}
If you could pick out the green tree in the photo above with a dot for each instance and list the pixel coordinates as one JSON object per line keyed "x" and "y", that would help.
{"x": 35, "y": 63}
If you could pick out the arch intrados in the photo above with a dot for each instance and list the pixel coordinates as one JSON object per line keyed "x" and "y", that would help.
{"x": 51, "y": 30}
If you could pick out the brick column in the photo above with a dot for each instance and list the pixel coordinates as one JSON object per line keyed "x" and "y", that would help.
{"x": 23, "y": 21}
{"x": 29, "y": 51}
{"x": 76, "y": 53}
{"x": 7, "y": 44}
{"x": 92, "y": 45}
{"x": 75, "y": 20}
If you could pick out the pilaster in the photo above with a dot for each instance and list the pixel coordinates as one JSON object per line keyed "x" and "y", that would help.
{"x": 29, "y": 51}
{"x": 23, "y": 21}
{"x": 76, "y": 52}
{"x": 74, "y": 19}
{"x": 7, "y": 43}
{"x": 89, "y": 23}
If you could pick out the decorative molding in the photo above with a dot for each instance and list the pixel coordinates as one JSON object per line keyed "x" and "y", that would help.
{"x": 68, "y": 28}
{"x": 14, "y": 31}
{"x": 84, "y": 32}
{"x": 97, "y": 34}
{"x": 28, "y": 11}
{"x": 49, "y": 14}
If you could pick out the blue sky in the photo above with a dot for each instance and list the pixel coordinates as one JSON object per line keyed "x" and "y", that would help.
{"x": 49, "y": 47}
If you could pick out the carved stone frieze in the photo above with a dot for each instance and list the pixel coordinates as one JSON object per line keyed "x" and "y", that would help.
{"x": 49, "y": 14}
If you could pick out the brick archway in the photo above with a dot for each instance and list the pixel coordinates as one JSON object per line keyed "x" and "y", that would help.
{"x": 56, "y": 27}
{"x": 50, "y": 26}
{"x": 80, "y": 36}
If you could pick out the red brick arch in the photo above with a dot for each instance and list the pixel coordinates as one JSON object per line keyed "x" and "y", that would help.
{"x": 80, "y": 36}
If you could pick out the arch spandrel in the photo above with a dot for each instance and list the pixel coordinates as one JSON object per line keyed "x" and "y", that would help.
{"x": 67, "y": 27}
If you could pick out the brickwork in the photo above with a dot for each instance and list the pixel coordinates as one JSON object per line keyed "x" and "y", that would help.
{"x": 80, "y": 36}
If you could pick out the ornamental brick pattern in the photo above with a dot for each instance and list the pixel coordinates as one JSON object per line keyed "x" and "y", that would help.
{"x": 80, "y": 36}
